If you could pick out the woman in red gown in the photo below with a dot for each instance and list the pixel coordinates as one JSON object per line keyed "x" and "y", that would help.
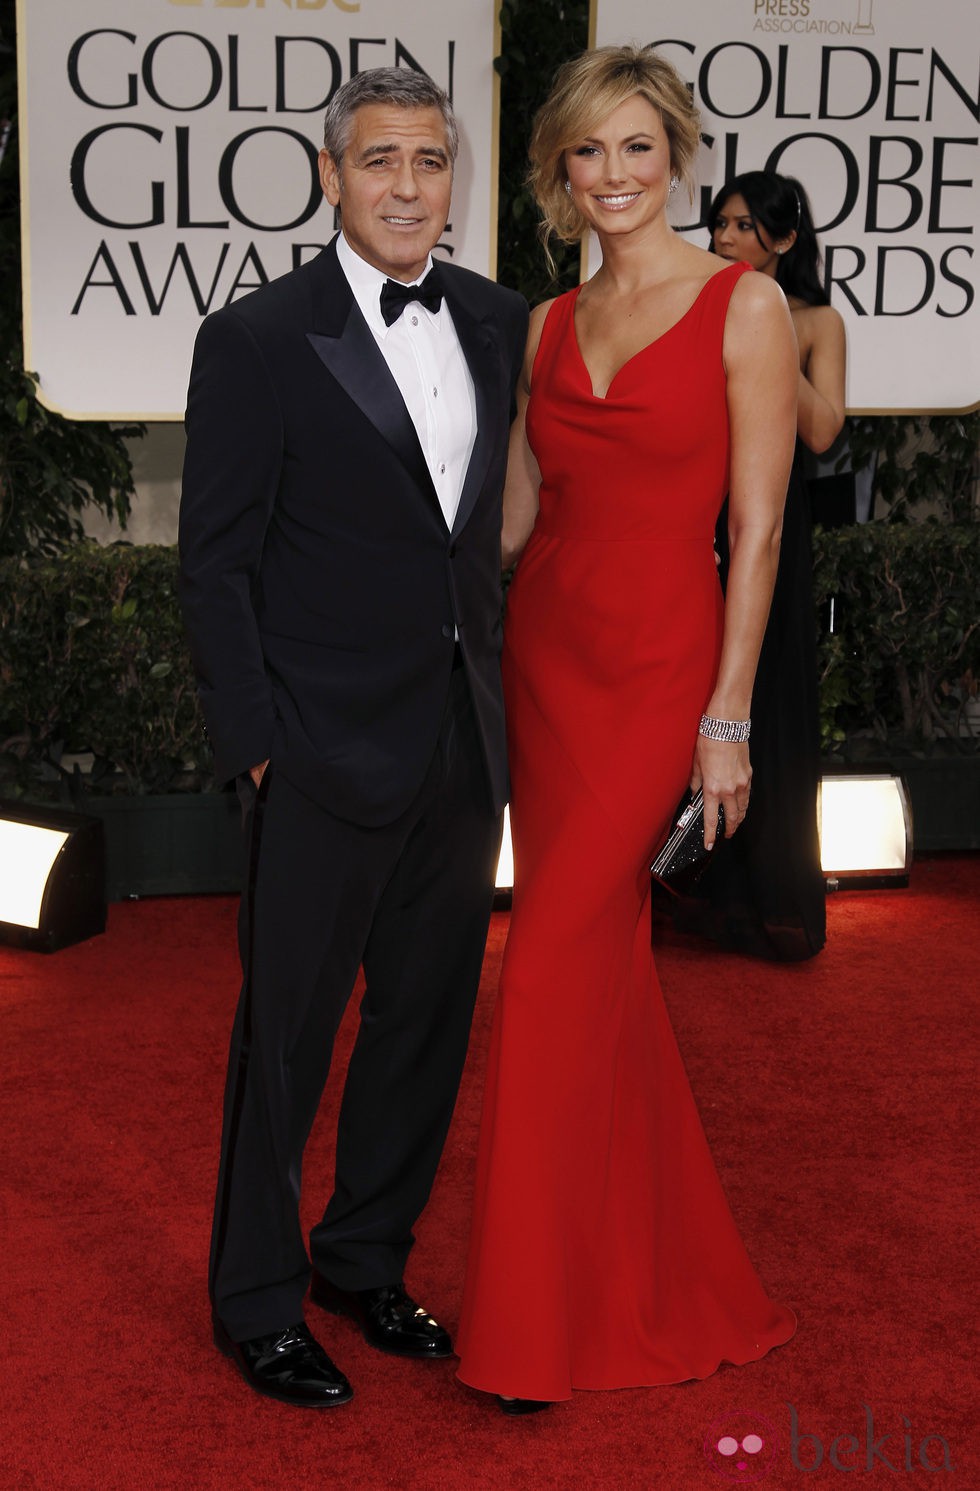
{"x": 666, "y": 381}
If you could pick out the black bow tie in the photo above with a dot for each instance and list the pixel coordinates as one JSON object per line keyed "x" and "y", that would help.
{"x": 395, "y": 296}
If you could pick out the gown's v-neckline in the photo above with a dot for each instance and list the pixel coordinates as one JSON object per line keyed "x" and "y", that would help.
{"x": 602, "y": 397}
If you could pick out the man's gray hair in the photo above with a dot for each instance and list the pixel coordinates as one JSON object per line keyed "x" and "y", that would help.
{"x": 401, "y": 86}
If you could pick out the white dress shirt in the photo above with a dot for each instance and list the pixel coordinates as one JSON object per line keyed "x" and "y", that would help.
{"x": 426, "y": 361}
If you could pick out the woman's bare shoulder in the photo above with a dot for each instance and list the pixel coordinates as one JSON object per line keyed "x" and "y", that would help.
{"x": 820, "y": 318}
{"x": 758, "y": 323}
{"x": 758, "y": 295}
{"x": 539, "y": 316}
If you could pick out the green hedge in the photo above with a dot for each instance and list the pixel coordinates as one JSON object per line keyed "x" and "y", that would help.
{"x": 92, "y": 655}
{"x": 904, "y": 657}
{"x": 93, "y": 658}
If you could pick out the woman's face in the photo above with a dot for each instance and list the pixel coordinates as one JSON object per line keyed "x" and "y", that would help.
{"x": 738, "y": 237}
{"x": 619, "y": 173}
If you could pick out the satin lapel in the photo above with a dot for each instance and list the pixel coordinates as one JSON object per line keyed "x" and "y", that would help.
{"x": 343, "y": 342}
{"x": 479, "y": 346}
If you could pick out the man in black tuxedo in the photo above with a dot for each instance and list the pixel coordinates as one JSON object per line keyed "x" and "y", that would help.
{"x": 340, "y": 578}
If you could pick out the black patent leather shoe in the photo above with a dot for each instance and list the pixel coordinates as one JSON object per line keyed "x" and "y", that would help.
{"x": 289, "y": 1365}
{"x": 514, "y": 1407}
{"x": 388, "y": 1318}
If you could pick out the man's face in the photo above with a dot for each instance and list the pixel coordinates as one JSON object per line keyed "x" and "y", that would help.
{"x": 393, "y": 186}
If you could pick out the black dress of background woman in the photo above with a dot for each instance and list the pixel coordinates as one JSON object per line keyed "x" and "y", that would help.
{"x": 763, "y": 892}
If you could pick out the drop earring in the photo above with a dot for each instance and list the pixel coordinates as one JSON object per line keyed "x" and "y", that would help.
{"x": 568, "y": 187}
{"x": 675, "y": 182}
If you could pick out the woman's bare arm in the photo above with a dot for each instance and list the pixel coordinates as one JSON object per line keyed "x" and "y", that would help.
{"x": 761, "y": 363}
{"x": 820, "y": 417}
{"x": 523, "y": 475}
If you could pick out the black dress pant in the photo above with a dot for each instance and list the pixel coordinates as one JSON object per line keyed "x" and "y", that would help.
{"x": 411, "y": 901}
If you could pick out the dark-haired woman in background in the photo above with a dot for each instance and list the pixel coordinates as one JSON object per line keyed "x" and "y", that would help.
{"x": 763, "y": 892}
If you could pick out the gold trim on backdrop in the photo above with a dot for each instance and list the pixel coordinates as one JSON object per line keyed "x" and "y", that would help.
{"x": 495, "y": 147}
{"x": 583, "y": 258}
{"x": 25, "y": 182}
{"x": 162, "y": 419}
{"x": 966, "y": 409}
{"x": 583, "y": 261}
{"x": 117, "y": 417}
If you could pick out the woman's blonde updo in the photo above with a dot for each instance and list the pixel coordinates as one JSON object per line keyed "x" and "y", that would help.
{"x": 586, "y": 90}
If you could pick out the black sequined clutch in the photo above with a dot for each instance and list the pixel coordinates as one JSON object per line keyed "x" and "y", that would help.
{"x": 684, "y": 858}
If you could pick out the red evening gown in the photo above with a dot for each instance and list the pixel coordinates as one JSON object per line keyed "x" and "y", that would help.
{"x": 603, "y": 1253}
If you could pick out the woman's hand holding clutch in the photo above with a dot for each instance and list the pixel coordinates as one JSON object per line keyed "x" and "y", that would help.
{"x": 724, "y": 773}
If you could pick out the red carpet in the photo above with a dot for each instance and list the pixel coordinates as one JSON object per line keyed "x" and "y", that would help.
{"x": 838, "y": 1097}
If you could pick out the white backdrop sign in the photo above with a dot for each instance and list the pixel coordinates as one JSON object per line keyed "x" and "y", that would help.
{"x": 874, "y": 105}
{"x": 169, "y": 165}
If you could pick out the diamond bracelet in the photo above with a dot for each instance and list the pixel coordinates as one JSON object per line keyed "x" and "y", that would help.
{"x": 730, "y": 730}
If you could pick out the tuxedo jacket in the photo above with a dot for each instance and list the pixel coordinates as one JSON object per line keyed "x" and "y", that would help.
{"x": 321, "y": 587}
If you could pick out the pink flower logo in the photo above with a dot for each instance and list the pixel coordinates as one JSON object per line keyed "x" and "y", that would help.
{"x": 741, "y": 1446}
